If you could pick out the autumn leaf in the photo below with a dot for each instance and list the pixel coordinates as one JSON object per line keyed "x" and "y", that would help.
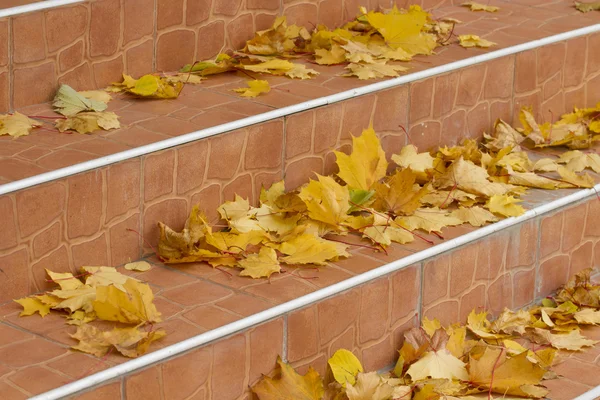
{"x": 254, "y": 88}
{"x": 476, "y": 216}
{"x": 65, "y": 280}
{"x": 400, "y": 195}
{"x": 88, "y": 122}
{"x": 130, "y": 342}
{"x": 587, "y": 316}
{"x": 419, "y": 163}
{"x": 288, "y": 384}
{"x": 105, "y": 276}
{"x": 369, "y": 386}
{"x": 310, "y": 249}
{"x": 474, "y": 41}
{"x": 385, "y": 235}
{"x": 377, "y": 69}
{"x": 577, "y": 161}
{"x": 473, "y": 6}
{"x": 505, "y": 205}
{"x": 326, "y": 200}
{"x": 96, "y": 95}
{"x": 80, "y": 298}
{"x": 467, "y": 176}
{"x": 366, "y": 164}
{"x": 132, "y": 306}
{"x": 138, "y": 266}
{"x": 428, "y": 219}
{"x": 16, "y": 125}
{"x": 69, "y": 103}
{"x": 336, "y": 55}
{"x": 572, "y": 341}
{"x": 440, "y": 364}
{"x": 261, "y": 265}
{"x": 32, "y": 305}
{"x": 149, "y": 86}
{"x": 585, "y": 7}
{"x": 573, "y": 180}
{"x": 345, "y": 366}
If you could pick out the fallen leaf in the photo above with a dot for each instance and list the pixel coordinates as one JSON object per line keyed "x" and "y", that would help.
{"x": 309, "y": 249}
{"x": 419, "y": 163}
{"x": 440, "y": 364}
{"x": 377, "y": 69}
{"x": 88, "y": 122}
{"x": 428, "y": 219}
{"x": 16, "y": 125}
{"x": 476, "y": 216}
{"x": 587, "y": 316}
{"x": 134, "y": 306}
{"x": 290, "y": 385}
{"x": 585, "y": 7}
{"x": 474, "y": 41}
{"x": 97, "y": 95}
{"x": 149, "y": 86}
{"x": 139, "y": 266}
{"x": 399, "y": 195}
{"x": 385, "y": 235}
{"x": 32, "y": 305}
{"x": 505, "y": 205}
{"x": 473, "y": 6}
{"x": 254, "y": 88}
{"x": 261, "y": 265}
{"x": 467, "y": 176}
{"x": 369, "y": 386}
{"x": 345, "y": 366}
{"x": 105, "y": 276}
{"x": 326, "y": 200}
{"x": 572, "y": 341}
{"x": 131, "y": 342}
{"x": 68, "y": 102}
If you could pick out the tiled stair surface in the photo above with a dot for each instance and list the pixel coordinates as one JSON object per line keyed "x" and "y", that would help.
{"x": 83, "y": 219}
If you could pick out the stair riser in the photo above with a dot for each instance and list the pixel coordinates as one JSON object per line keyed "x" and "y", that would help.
{"x": 510, "y": 268}
{"x": 82, "y": 219}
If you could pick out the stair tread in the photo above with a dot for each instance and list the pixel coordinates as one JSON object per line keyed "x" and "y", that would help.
{"x": 196, "y": 298}
{"x": 212, "y": 103}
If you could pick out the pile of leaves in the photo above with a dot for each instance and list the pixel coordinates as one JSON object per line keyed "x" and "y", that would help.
{"x": 425, "y": 192}
{"x": 369, "y": 45}
{"x": 474, "y": 361}
{"x": 102, "y": 294}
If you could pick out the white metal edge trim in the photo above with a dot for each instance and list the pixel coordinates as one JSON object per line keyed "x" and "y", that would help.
{"x": 40, "y": 5}
{"x": 592, "y": 394}
{"x": 270, "y": 115}
{"x": 282, "y": 309}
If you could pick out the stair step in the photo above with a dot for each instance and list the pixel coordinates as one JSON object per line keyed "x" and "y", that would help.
{"x": 68, "y": 201}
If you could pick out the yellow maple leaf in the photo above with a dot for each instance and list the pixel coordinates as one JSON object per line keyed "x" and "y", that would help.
{"x": 371, "y": 386}
{"x": 66, "y": 280}
{"x": 531, "y": 179}
{"x": 97, "y": 95}
{"x": 16, "y": 125}
{"x": 134, "y": 306}
{"x": 344, "y": 366}
{"x": 504, "y": 136}
{"x": 385, "y": 235}
{"x": 572, "y": 341}
{"x": 131, "y": 342}
{"x": 68, "y": 102}
{"x": 419, "y": 163}
{"x": 32, "y": 305}
{"x": 231, "y": 242}
{"x": 467, "y": 176}
{"x": 88, "y": 122}
{"x": 505, "y": 205}
{"x": 374, "y": 70}
{"x": 585, "y": 7}
{"x": 476, "y": 216}
{"x": 428, "y": 219}
{"x": 80, "y": 298}
{"x": 335, "y": 55}
{"x": 474, "y": 41}
{"x": 310, "y": 249}
{"x": 326, "y": 200}
{"x": 571, "y": 179}
{"x": 260, "y": 265}
{"x": 577, "y": 161}
{"x": 400, "y": 195}
{"x": 474, "y": 6}
{"x": 254, "y": 88}
{"x": 440, "y": 364}
{"x": 173, "y": 246}
{"x": 588, "y": 316}
{"x": 366, "y": 164}
{"x": 290, "y": 384}
{"x": 104, "y": 276}
{"x": 150, "y": 86}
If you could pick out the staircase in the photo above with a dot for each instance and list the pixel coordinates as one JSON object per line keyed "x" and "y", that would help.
{"x": 71, "y": 200}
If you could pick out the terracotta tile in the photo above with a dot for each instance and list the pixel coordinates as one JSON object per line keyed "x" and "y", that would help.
{"x": 473, "y": 299}
{"x": 262, "y": 4}
{"x": 302, "y": 14}
{"x": 177, "y": 330}
{"x": 357, "y": 264}
{"x": 64, "y": 158}
{"x": 324, "y": 276}
{"x": 225, "y": 151}
{"x": 593, "y": 58}
{"x": 565, "y": 389}
{"x": 71, "y": 56}
{"x": 138, "y": 19}
{"x": 212, "y": 40}
{"x": 175, "y": 49}
{"x": 298, "y": 172}
{"x": 18, "y": 355}
{"x": 478, "y": 120}
{"x": 500, "y": 294}
{"x": 530, "y": 100}
{"x": 436, "y": 275}
{"x": 84, "y": 204}
{"x": 240, "y": 29}
{"x": 34, "y": 212}
{"x": 357, "y": 115}
{"x": 525, "y": 71}
{"x": 15, "y": 279}
{"x": 208, "y": 199}
{"x": 265, "y": 145}
{"x": 340, "y": 312}
{"x": 228, "y": 369}
{"x": 34, "y": 153}
{"x": 446, "y": 312}
{"x": 47, "y": 240}
{"x": 502, "y": 110}
{"x": 421, "y": 95}
{"x": 592, "y": 228}
{"x": 243, "y": 304}
{"x": 298, "y": 133}
{"x": 191, "y": 164}
{"x": 573, "y": 226}
{"x": 183, "y": 375}
{"x": 327, "y": 127}
{"x": 37, "y": 379}
{"x": 374, "y": 310}
{"x": 4, "y": 93}
{"x": 470, "y": 85}
{"x": 574, "y": 97}
{"x": 33, "y": 85}
{"x": 165, "y": 278}
{"x": 122, "y": 188}
{"x": 379, "y": 355}
{"x": 281, "y": 290}
{"x": 139, "y": 59}
{"x": 57, "y": 261}
{"x": 462, "y": 268}
{"x": 550, "y": 60}
{"x": 79, "y": 78}
{"x": 265, "y": 180}
{"x": 9, "y": 335}
{"x": 210, "y": 317}
{"x": 242, "y": 186}
{"x": 91, "y": 252}
{"x": 145, "y": 384}
{"x": 77, "y": 365}
{"x": 4, "y": 42}
{"x": 64, "y": 25}
{"x": 524, "y": 287}
{"x": 581, "y": 258}
{"x": 552, "y": 273}
{"x": 9, "y": 392}
{"x": 110, "y": 391}
{"x": 107, "y": 72}
{"x": 454, "y": 127}
{"x": 444, "y": 94}
{"x": 522, "y": 245}
{"x": 426, "y": 135}
{"x": 197, "y": 293}
{"x": 582, "y": 372}
{"x": 124, "y": 244}
{"x": 137, "y": 136}
{"x": 105, "y": 28}
{"x": 592, "y": 87}
{"x": 197, "y": 11}
{"x": 28, "y": 38}
{"x": 8, "y": 235}
{"x": 266, "y": 343}
{"x": 172, "y": 212}
{"x": 158, "y": 174}
{"x": 169, "y": 13}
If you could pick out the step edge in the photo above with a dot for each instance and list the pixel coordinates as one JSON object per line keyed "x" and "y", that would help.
{"x": 592, "y": 394}
{"x": 40, "y": 5}
{"x": 306, "y": 300}
{"x": 289, "y": 110}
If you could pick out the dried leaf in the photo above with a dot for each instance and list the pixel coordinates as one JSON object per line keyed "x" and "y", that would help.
{"x": 440, "y": 364}
{"x": 32, "y": 305}
{"x": 254, "y": 88}
{"x": 131, "y": 342}
{"x": 134, "y": 306}
{"x": 467, "y": 41}
{"x": 261, "y": 265}
{"x": 88, "y": 122}
{"x": 480, "y": 7}
{"x": 69, "y": 103}
{"x": 16, "y": 125}
{"x": 290, "y": 384}
{"x": 504, "y": 205}
{"x": 139, "y": 266}
{"x": 345, "y": 366}
{"x": 585, "y": 7}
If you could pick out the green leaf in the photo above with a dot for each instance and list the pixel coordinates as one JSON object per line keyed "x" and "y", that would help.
{"x": 68, "y": 102}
